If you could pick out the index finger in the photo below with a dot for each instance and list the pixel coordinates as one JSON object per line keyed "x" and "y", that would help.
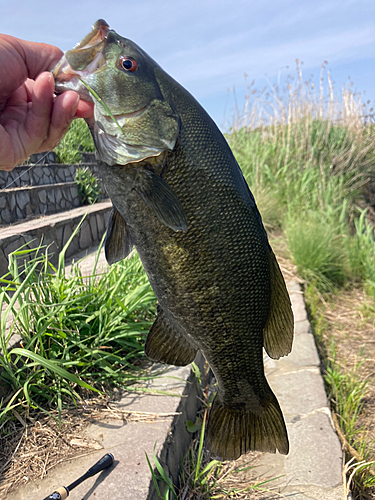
{"x": 21, "y": 59}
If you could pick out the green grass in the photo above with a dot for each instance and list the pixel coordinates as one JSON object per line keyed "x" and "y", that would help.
{"x": 347, "y": 392}
{"x": 77, "y": 140}
{"x": 88, "y": 186}
{"x": 317, "y": 249}
{"x": 309, "y": 158}
{"x": 77, "y": 332}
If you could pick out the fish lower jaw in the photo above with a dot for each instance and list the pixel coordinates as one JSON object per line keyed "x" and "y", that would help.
{"x": 74, "y": 84}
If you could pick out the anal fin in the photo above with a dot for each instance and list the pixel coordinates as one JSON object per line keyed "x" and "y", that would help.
{"x": 164, "y": 344}
{"x": 279, "y": 329}
{"x": 118, "y": 243}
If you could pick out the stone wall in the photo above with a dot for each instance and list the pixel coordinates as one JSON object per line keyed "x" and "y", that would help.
{"x": 26, "y": 175}
{"x": 54, "y": 231}
{"x": 20, "y": 203}
{"x": 29, "y": 191}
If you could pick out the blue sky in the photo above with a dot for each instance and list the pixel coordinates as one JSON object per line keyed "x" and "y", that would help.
{"x": 208, "y": 45}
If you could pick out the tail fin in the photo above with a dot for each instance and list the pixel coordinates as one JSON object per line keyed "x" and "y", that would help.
{"x": 231, "y": 433}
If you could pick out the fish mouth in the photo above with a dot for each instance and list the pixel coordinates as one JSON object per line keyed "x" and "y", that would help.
{"x": 73, "y": 68}
{"x": 74, "y": 65}
{"x": 98, "y": 33}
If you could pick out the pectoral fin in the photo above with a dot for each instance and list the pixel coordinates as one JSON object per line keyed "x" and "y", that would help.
{"x": 161, "y": 199}
{"x": 118, "y": 243}
{"x": 279, "y": 329}
{"x": 164, "y": 344}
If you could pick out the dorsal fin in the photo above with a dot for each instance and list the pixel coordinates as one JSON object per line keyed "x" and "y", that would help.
{"x": 165, "y": 344}
{"x": 279, "y": 329}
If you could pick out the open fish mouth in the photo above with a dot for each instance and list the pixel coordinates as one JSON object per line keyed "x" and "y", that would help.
{"x": 74, "y": 67}
{"x": 74, "y": 64}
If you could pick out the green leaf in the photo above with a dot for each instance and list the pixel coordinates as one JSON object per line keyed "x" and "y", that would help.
{"x": 167, "y": 480}
{"x": 190, "y": 427}
{"x": 53, "y": 366}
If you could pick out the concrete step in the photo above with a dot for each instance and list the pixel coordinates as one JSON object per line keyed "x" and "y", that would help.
{"x": 20, "y": 203}
{"x": 38, "y": 175}
{"x": 165, "y": 433}
{"x": 54, "y": 231}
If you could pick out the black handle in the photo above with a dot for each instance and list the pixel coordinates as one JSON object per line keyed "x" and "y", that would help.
{"x": 103, "y": 463}
{"x": 63, "y": 492}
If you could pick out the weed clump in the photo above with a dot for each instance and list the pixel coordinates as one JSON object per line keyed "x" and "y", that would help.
{"x": 75, "y": 331}
{"x": 88, "y": 186}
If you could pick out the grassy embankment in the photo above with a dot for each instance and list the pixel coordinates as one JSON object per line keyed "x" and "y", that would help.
{"x": 309, "y": 158}
{"x": 76, "y": 141}
{"x": 74, "y": 330}
{"x": 77, "y": 334}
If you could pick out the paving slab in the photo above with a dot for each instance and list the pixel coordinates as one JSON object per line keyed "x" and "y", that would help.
{"x": 313, "y": 468}
{"x": 129, "y": 478}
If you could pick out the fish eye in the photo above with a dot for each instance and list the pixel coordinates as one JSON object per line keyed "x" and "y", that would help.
{"x": 128, "y": 64}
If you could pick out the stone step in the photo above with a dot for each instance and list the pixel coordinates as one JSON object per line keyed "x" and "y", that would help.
{"x": 54, "y": 231}
{"x": 38, "y": 175}
{"x": 20, "y": 203}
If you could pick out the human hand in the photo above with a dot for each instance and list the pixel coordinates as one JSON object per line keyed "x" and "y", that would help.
{"x": 32, "y": 119}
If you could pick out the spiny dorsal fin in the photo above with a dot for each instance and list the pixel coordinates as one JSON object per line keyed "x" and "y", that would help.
{"x": 164, "y": 344}
{"x": 161, "y": 199}
{"x": 118, "y": 243}
{"x": 279, "y": 329}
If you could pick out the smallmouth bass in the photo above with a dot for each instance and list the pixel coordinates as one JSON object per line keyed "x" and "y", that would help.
{"x": 179, "y": 197}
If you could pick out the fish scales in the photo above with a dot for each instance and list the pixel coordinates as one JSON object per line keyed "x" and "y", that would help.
{"x": 193, "y": 220}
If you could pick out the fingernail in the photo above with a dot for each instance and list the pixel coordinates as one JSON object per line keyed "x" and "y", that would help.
{"x": 51, "y": 81}
{"x": 74, "y": 107}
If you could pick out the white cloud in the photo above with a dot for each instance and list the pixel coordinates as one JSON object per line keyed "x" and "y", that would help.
{"x": 206, "y": 70}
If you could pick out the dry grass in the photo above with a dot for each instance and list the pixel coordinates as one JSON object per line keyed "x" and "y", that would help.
{"x": 353, "y": 331}
{"x": 31, "y": 446}
{"x": 237, "y": 479}
{"x": 241, "y": 479}
{"x": 30, "y": 449}
{"x": 298, "y": 99}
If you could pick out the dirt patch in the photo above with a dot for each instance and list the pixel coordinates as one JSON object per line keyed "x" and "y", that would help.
{"x": 351, "y": 324}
